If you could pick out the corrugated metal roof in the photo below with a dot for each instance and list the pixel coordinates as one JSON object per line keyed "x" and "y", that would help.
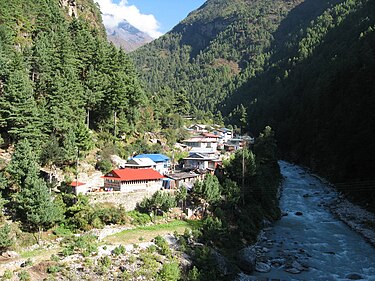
{"x": 141, "y": 162}
{"x": 133, "y": 175}
{"x": 154, "y": 157}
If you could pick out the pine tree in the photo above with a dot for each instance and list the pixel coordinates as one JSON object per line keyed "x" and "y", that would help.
{"x": 23, "y": 164}
{"x": 19, "y": 113}
{"x": 35, "y": 206}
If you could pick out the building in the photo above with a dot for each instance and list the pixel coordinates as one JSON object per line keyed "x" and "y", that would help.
{"x": 179, "y": 179}
{"x": 79, "y": 187}
{"x": 126, "y": 180}
{"x": 198, "y": 161}
{"x": 202, "y": 142}
{"x": 140, "y": 163}
{"x": 162, "y": 162}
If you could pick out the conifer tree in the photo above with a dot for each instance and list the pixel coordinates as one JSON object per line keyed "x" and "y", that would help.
{"x": 35, "y": 206}
{"x": 23, "y": 164}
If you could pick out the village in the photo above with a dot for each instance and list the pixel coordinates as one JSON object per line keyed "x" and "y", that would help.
{"x": 144, "y": 174}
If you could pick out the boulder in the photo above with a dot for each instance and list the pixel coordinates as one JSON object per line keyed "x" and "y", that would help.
{"x": 262, "y": 267}
{"x": 246, "y": 259}
{"x": 10, "y": 255}
{"x": 354, "y": 276}
{"x": 298, "y": 213}
{"x": 293, "y": 270}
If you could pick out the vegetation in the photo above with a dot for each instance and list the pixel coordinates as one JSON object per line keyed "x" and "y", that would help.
{"x": 303, "y": 67}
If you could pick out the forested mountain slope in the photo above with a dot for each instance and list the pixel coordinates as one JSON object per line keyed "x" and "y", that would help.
{"x": 58, "y": 73}
{"x": 221, "y": 43}
{"x": 318, "y": 93}
{"x": 303, "y": 67}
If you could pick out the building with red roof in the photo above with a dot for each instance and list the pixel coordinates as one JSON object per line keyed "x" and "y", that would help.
{"x": 132, "y": 179}
{"x": 79, "y": 187}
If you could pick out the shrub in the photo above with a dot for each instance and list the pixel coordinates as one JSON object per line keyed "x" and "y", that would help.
{"x": 85, "y": 244}
{"x": 5, "y": 239}
{"x": 120, "y": 250}
{"x": 23, "y": 275}
{"x": 169, "y": 272}
{"x": 163, "y": 247}
{"x": 62, "y": 230}
{"x": 105, "y": 261}
{"x": 7, "y": 275}
{"x": 139, "y": 218}
{"x": 104, "y": 166}
{"x": 54, "y": 269}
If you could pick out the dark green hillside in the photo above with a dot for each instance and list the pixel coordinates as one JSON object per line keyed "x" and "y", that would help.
{"x": 303, "y": 67}
{"x": 221, "y": 43}
{"x": 319, "y": 95}
{"x": 59, "y": 74}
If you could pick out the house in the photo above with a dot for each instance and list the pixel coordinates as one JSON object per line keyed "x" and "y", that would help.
{"x": 79, "y": 187}
{"x": 201, "y": 162}
{"x": 140, "y": 163}
{"x": 225, "y": 135}
{"x": 233, "y": 144}
{"x": 178, "y": 179}
{"x": 204, "y": 142}
{"x": 126, "y": 180}
{"x": 198, "y": 128}
{"x": 162, "y": 162}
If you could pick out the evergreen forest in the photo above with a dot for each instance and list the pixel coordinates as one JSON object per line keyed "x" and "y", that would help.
{"x": 303, "y": 67}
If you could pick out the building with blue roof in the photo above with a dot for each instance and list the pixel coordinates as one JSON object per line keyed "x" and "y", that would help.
{"x": 162, "y": 162}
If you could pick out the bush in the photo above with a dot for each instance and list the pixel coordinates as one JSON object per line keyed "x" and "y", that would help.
{"x": 54, "y": 269}
{"x": 159, "y": 201}
{"x": 5, "y": 239}
{"x": 169, "y": 272}
{"x": 62, "y": 230}
{"x": 85, "y": 244}
{"x": 105, "y": 261}
{"x": 139, "y": 218}
{"x": 163, "y": 247}
{"x": 120, "y": 250}
{"x": 23, "y": 275}
{"x": 7, "y": 275}
{"x": 104, "y": 166}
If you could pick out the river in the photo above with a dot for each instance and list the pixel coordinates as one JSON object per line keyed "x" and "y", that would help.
{"x": 313, "y": 242}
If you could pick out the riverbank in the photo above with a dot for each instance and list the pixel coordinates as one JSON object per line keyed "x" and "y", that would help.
{"x": 356, "y": 217}
{"x": 310, "y": 242}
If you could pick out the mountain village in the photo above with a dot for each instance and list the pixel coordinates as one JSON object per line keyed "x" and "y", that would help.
{"x": 144, "y": 174}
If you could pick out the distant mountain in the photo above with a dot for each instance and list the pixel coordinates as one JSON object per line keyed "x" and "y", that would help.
{"x": 127, "y": 36}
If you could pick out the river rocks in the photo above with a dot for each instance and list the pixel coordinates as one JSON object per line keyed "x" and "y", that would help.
{"x": 293, "y": 270}
{"x": 298, "y": 213}
{"x": 354, "y": 276}
{"x": 284, "y": 214}
{"x": 247, "y": 259}
{"x": 262, "y": 267}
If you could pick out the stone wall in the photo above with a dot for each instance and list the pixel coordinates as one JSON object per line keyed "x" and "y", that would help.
{"x": 128, "y": 200}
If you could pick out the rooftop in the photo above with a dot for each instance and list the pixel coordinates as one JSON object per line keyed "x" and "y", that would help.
{"x": 154, "y": 157}
{"x": 133, "y": 174}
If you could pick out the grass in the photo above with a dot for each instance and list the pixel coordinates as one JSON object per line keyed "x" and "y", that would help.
{"x": 147, "y": 233}
{"x": 38, "y": 253}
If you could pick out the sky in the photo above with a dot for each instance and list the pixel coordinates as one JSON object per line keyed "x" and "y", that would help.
{"x": 154, "y": 17}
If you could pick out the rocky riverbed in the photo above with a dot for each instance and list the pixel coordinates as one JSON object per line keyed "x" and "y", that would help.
{"x": 310, "y": 242}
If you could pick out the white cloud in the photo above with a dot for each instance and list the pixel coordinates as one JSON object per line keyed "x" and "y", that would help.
{"x": 114, "y": 13}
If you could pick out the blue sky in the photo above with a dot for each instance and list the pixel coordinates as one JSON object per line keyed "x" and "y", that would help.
{"x": 167, "y": 12}
{"x": 155, "y": 17}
